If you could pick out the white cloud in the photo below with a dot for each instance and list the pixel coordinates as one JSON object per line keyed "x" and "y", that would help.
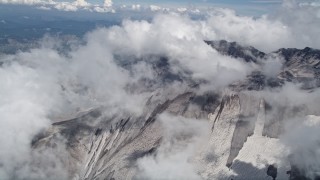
{"x": 107, "y": 3}
{"x": 64, "y": 5}
{"x": 302, "y": 139}
{"x": 181, "y": 39}
{"x": 30, "y": 2}
{"x": 44, "y": 8}
{"x": 173, "y": 159}
{"x": 182, "y": 9}
{"x": 262, "y": 33}
{"x": 81, "y": 3}
{"x": 136, "y": 7}
{"x": 267, "y": 1}
{"x": 155, "y": 8}
{"x": 32, "y": 85}
{"x": 302, "y": 22}
{"x": 294, "y": 109}
{"x": 272, "y": 66}
{"x": 27, "y": 99}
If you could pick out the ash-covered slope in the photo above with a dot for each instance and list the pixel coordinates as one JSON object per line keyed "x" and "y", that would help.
{"x": 110, "y": 150}
{"x": 238, "y": 137}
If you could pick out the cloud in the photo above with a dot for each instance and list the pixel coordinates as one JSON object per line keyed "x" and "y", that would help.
{"x": 29, "y": 2}
{"x": 107, "y": 3}
{"x": 155, "y": 8}
{"x": 173, "y": 159}
{"x": 100, "y": 72}
{"x": 82, "y": 5}
{"x": 284, "y": 97}
{"x": 44, "y": 82}
{"x": 136, "y": 7}
{"x": 302, "y": 139}
{"x": 178, "y": 38}
{"x": 262, "y": 33}
{"x": 272, "y": 66}
{"x": 291, "y": 26}
{"x": 182, "y": 9}
{"x": 64, "y": 5}
{"x": 268, "y": 1}
{"x": 27, "y": 100}
{"x": 295, "y": 111}
{"x": 302, "y": 22}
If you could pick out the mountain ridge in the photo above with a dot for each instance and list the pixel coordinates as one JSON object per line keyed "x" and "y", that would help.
{"x": 238, "y": 119}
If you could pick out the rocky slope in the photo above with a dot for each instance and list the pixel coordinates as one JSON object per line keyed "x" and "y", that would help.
{"x": 243, "y": 127}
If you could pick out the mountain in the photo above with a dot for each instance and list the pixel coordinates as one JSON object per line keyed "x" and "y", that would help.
{"x": 242, "y": 129}
{"x": 233, "y": 49}
{"x": 301, "y": 66}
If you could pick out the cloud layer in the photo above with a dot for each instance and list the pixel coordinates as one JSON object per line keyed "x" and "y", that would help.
{"x": 64, "y": 5}
{"x": 173, "y": 159}
{"x": 43, "y": 82}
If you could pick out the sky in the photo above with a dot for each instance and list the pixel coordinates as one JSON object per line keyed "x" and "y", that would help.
{"x": 245, "y": 7}
{"x": 251, "y": 7}
{"x": 242, "y": 7}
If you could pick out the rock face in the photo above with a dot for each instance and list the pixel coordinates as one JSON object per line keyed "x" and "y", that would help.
{"x": 105, "y": 152}
{"x": 244, "y": 128}
{"x": 233, "y": 49}
{"x": 272, "y": 171}
{"x": 301, "y": 66}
